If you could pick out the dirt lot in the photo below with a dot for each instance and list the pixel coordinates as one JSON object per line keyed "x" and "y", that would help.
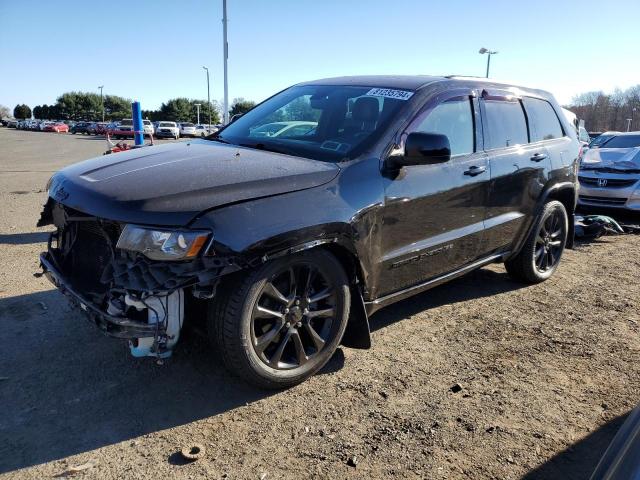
{"x": 548, "y": 374}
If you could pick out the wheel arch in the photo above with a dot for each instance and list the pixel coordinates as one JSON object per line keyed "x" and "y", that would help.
{"x": 565, "y": 193}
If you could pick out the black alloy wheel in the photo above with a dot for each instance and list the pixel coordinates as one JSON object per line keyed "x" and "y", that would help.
{"x": 540, "y": 254}
{"x": 292, "y": 317}
{"x": 549, "y": 242}
{"x": 277, "y": 325}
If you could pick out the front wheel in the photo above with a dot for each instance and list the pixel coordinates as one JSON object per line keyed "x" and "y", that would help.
{"x": 541, "y": 252}
{"x": 283, "y": 321}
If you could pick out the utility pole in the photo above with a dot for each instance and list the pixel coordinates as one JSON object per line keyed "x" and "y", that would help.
{"x": 208, "y": 94}
{"x": 102, "y": 101}
{"x": 489, "y": 53}
{"x": 198, "y": 107}
{"x": 225, "y": 50}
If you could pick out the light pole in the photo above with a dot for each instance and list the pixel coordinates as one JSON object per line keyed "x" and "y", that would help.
{"x": 482, "y": 51}
{"x": 198, "y": 107}
{"x": 208, "y": 94}
{"x": 633, "y": 114}
{"x": 225, "y": 53}
{"x": 629, "y": 120}
{"x": 102, "y": 101}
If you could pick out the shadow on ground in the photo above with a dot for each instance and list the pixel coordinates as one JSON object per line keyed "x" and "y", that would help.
{"x": 66, "y": 389}
{"x": 23, "y": 238}
{"x": 476, "y": 284}
{"x": 578, "y": 461}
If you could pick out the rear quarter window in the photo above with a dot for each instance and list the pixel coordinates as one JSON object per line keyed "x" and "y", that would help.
{"x": 543, "y": 120}
{"x": 506, "y": 125}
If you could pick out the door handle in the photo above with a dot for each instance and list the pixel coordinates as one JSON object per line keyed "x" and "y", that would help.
{"x": 538, "y": 157}
{"x": 475, "y": 170}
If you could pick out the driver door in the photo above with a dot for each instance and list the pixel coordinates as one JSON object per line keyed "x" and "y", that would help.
{"x": 433, "y": 217}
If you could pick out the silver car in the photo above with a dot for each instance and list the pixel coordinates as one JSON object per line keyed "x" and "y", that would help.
{"x": 610, "y": 175}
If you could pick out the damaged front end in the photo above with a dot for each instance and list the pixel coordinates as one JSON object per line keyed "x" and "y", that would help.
{"x": 127, "y": 294}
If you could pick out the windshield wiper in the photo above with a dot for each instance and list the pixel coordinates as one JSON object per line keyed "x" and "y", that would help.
{"x": 270, "y": 148}
{"x": 218, "y": 139}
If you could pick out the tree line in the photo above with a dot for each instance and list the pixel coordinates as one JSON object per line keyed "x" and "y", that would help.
{"x": 89, "y": 106}
{"x": 602, "y": 112}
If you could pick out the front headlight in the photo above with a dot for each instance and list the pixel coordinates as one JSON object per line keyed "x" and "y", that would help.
{"x": 162, "y": 244}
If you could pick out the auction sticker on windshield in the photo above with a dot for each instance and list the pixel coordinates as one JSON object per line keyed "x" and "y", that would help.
{"x": 390, "y": 93}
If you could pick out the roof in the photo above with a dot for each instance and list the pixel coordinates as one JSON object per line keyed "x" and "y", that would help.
{"x": 404, "y": 82}
{"x": 414, "y": 82}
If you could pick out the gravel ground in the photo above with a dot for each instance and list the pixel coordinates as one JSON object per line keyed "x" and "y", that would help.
{"x": 546, "y": 374}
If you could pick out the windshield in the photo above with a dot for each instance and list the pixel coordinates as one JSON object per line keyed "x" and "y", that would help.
{"x": 623, "y": 141}
{"x": 126, "y": 123}
{"x": 147, "y": 122}
{"x": 317, "y": 121}
{"x": 187, "y": 124}
{"x": 167, "y": 124}
{"x": 599, "y": 140}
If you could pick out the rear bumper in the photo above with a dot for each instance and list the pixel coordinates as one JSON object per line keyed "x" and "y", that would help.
{"x": 119, "y": 327}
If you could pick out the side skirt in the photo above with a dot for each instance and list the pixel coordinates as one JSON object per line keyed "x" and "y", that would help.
{"x": 382, "y": 302}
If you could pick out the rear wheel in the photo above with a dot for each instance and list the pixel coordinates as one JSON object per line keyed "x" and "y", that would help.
{"x": 281, "y": 323}
{"x": 541, "y": 253}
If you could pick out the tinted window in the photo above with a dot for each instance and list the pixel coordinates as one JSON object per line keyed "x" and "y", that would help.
{"x": 453, "y": 118}
{"x": 348, "y": 118}
{"x": 543, "y": 120}
{"x": 623, "y": 141}
{"x": 506, "y": 124}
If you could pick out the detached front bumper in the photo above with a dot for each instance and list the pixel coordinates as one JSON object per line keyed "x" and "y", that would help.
{"x": 119, "y": 327}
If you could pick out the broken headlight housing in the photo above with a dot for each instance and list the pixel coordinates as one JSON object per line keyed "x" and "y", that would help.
{"x": 162, "y": 244}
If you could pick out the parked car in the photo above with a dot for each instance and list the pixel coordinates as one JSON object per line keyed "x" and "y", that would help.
{"x": 610, "y": 175}
{"x": 290, "y": 244}
{"x": 187, "y": 129}
{"x": 202, "y": 131}
{"x": 602, "y": 138}
{"x": 91, "y": 128}
{"x": 80, "y": 127}
{"x": 148, "y": 128}
{"x": 123, "y": 129}
{"x": 100, "y": 128}
{"x": 57, "y": 127}
{"x": 285, "y": 129}
{"x": 168, "y": 130}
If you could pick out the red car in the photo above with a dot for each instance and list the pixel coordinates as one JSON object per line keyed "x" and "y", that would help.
{"x": 57, "y": 127}
{"x": 123, "y": 130}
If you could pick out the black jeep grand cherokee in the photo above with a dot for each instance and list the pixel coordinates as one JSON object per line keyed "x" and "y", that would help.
{"x": 286, "y": 229}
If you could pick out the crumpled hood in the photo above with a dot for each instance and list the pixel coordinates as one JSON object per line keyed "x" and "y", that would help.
{"x": 171, "y": 184}
{"x": 619, "y": 158}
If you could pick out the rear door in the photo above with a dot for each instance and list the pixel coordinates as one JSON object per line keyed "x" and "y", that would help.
{"x": 519, "y": 169}
{"x": 433, "y": 214}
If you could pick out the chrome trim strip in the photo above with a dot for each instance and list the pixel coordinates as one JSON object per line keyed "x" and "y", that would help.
{"x": 381, "y": 302}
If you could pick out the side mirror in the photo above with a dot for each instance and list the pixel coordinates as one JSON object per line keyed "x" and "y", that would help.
{"x": 424, "y": 149}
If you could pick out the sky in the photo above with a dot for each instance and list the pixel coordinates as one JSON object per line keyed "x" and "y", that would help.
{"x": 154, "y": 50}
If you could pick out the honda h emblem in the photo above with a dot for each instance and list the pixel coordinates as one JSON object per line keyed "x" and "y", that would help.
{"x": 602, "y": 182}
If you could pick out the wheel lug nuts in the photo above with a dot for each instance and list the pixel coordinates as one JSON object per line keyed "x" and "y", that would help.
{"x": 306, "y": 310}
{"x": 287, "y": 324}
{"x": 299, "y": 324}
{"x": 297, "y": 302}
{"x": 286, "y": 310}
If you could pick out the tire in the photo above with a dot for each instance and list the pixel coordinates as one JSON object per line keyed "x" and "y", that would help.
{"x": 541, "y": 253}
{"x": 283, "y": 343}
